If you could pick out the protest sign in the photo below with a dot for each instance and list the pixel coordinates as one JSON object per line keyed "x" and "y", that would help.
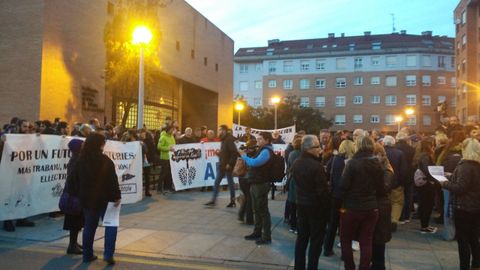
{"x": 287, "y": 133}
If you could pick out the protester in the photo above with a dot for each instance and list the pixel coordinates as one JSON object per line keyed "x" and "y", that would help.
{"x": 210, "y": 137}
{"x": 98, "y": 186}
{"x": 403, "y": 144}
{"x": 362, "y": 177}
{"x": 312, "y": 198}
{"x": 259, "y": 178}
{"x": 165, "y": 145}
{"x": 465, "y": 187}
{"x": 188, "y": 137}
{"x": 291, "y": 203}
{"x": 245, "y": 212}
{"x": 228, "y": 157}
{"x": 277, "y": 138}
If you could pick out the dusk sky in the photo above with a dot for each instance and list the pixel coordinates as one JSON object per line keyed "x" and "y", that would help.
{"x": 250, "y": 23}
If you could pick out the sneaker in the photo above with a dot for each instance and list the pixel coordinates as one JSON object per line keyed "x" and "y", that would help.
{"x": 110, "y": 261}
{"x": 253, "y": 236}
{"x": 292, "y": 230}
{"x": 428, "y": 230}
{"x": 402, "y": 222}
{"x": 263, "y": 242}
{"x": 231, "y": 205}
{"x": 210, "y": 203}
{"x": 355, "y": 246}
{"x": 91, "y": 259}
{"x": 74, "y": 250}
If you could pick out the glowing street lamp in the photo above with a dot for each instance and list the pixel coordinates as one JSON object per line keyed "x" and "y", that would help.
{"x": 239, "y": 108}
{"x": 141, "y": 36}
{"x": 409, "y": 111}
{"x": 398, "y": 119}
{"x": 275, "y": 100}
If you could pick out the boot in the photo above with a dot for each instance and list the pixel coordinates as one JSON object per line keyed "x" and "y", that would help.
{"x": 232, "y": 203}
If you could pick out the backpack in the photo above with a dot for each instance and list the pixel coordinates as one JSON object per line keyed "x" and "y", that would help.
{"x": 277, "y": 171}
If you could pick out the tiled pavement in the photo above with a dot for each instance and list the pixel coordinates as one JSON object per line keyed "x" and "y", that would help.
{"x": 178, "y": 226}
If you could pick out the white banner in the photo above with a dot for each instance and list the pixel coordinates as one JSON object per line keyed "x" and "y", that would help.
{"x": 195, "y": 165}
{"x": 287, "y": 133}
{"x": 33, "y": 173}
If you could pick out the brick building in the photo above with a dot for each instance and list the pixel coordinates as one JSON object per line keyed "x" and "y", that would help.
{"x": 357, "y": 81}
{"x": 53, "y": 65}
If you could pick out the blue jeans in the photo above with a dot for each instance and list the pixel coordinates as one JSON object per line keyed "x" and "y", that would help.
{"x": 220, "y": 175}
{"x": 92, "y": 216}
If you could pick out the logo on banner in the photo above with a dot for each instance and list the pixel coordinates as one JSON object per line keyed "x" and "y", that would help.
{"x": 127, "y": 176}
{"x": 187, "y": 174}
{"x": 57, "y": 190}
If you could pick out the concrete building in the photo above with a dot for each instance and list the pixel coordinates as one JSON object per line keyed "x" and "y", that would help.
{"x": 53, "y": 65}
{"x": 467, "y": 60}
{"x": 357, "y": 81}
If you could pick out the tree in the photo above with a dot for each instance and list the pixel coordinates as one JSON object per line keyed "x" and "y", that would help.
{"x": 288, "y": 112}
{"x": 122, "y": 57}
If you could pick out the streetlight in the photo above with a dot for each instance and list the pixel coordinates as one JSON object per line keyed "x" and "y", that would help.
{"x": 409, "y": 111}
{"x": 398, "y": 119}
{"x": 141, "y": 36}
{"x": 275, "y": 100}
{"x": 239, "y": 108}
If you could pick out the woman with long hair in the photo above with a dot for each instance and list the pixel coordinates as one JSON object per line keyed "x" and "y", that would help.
{"x": 98, "y": 186}
{"x": 465, "y": 187}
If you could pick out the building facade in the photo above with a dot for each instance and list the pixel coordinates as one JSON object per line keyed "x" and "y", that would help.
{"x": 358, "y": 81}
{"x": 53, "y": 65}
{"x": 467, "y": 23}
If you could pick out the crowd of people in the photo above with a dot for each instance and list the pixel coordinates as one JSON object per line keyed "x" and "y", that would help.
{"x": 362, "y": 184}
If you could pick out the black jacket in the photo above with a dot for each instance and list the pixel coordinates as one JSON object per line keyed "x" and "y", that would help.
{"x": 408, "y": 152}
{"x": 399, "y": 163}
{"x": 310, "y": 182}
{"x": 465, "y": 186}
{"x": 362, "y": 176}
{"x": 334, "y": 172}
{"x": 228, "y": 152}
{"x": 98, "y": 181}
{"x": 383, "y": 230}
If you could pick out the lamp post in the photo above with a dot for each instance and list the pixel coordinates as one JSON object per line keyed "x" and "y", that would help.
{"x": 398, "y": 119}
{"x": 275, "y": 100}
{"x": 239, "y": 108}
{"x": 141, "y": 36}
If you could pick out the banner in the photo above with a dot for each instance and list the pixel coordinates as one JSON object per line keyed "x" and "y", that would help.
{"x": 286, "y": 133}
{"x": 195, "y": 165}
{"x": 33, "y": 171}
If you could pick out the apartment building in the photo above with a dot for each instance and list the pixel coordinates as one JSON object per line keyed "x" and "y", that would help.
{"x": 357, "y": 81}
{"x": 467, "y": 35}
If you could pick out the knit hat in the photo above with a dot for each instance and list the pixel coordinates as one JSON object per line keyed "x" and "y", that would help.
{"x": 75, "y": 145}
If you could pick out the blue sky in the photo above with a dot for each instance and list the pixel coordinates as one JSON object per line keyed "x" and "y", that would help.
{"x": 250, "y": 23}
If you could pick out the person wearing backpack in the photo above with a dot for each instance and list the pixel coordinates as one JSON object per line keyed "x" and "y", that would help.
{"x": 260, "y": 177}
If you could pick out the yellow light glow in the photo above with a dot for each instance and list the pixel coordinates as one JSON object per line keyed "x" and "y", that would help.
{"x": 398, "y": 119}
{"x": 275, "y": 100}
{"x": 409, "y": 111}
{"x": 239, "y": 106}
{"x": 141, "y": 35}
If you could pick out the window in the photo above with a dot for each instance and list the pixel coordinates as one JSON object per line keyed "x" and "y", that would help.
{"x": 427, "y": 60}
{"x": 304, "y": 84}
{"x": 304, "y": 102}
{"x": 272, "y": 67}
{"x": 427, "y": 120}
{"x": 358, "y": 81}
{"x": 341, "y": 63}
{"x": 375, "y": 60}
{"x": 441, "y": 99}
{"x": 375, "y": 99}
{"x": 441, "y": 80}
{"x": 258, "y": 67}
{"x": 464, "y": 17}
{"x": 441, "y": 61}
{"x": 340, "y": 101}
{"x": 319, "y": 102}
{"x": 453, "y": 102}
{"x": 375, "y": 80}
{"x": 243, "y": 68}
{"x": 340, "y": 82}
{"x": 426, "y": 100}
{"x": 357, "y": 99}
{"x": 358, "y": 62}
{"x": 391, "y": 81}
{"x": 257, "y": 102}
{"x": 258, "y": 85}
{"x": 272, "y": 83}
{"x": 305, "y": 65}
{"x": 340, "y": 119}
{"x": 357, "y": 119}
{"x": 390, "y": 119}
{"x": 426, "y": 80}
{"x": 320, "y": 83}
{"x": 453, "y": 82}
{"x": 391, "y": 60}
{"x": 411, "y": 60}
{"x": 411, "y": 100}
{"x": 375, "y": 119}
{"x": 464, "y": 40}
{"x": 452, "y": 62}
{"x": 287, "y": 66}
{"x": 390, "y": 100}
{"x": 287, "y": 84}
{"x": 320, "y": 64}
{"x": 376, "y": 45}
{"x": 411, "y": 80}
{"x": 243, "y": 86}
{"x": 411, "y": 120}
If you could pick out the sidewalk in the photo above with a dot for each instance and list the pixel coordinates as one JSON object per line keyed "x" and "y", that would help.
{"x": 178, "y": 226}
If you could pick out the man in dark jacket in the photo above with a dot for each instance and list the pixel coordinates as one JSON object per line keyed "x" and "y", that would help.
{"x": 312, "y": 203}
{"x": 403, "y": 144}
{"x": 228, "y": 157}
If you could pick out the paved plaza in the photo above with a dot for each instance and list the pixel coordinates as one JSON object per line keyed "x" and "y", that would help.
{"x": 178, "y": 228}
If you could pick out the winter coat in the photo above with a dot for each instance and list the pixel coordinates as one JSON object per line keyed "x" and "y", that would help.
{"x": 228, "y": 152}
{"x": 423, "y": 162}
{"x": 450, "y": 159}
{"x": 465, "y": 186}
{"x": 362, "y": 176}
{"x": 408, "y": 152}
{"x": 334, "y": 171}
{"x": 294, "y": 155}
{"x": 399, "y": 163}
{"x": 260, "y": 165}
{"x": 383, "y": 229}
{"x": 166, "y": 141}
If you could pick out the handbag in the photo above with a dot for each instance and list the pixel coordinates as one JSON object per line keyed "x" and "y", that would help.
{"x": 419, "y": 178}
{"x": 69, "y": 204}
{"x": 240, "y": 168}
